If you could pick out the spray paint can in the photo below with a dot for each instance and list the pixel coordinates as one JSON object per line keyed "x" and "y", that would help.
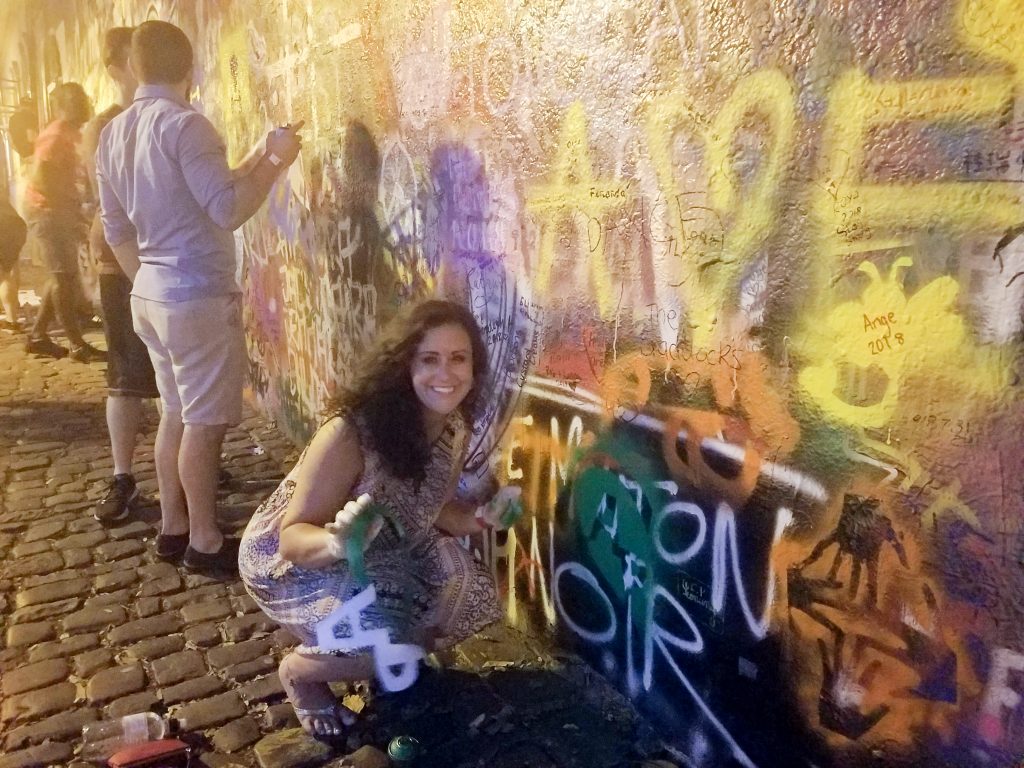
{"x": 403, "y": 751}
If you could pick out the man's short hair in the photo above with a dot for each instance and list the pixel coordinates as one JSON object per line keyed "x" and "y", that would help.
{"x": 117, "y": 41}
{"x": 161, "y": 53}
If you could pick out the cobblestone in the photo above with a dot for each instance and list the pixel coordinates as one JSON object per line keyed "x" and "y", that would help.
{"x": 95, "y": 617}
{"x": 164, "y": 624}
{"x": 60, "y": 648}
{"x": 203, "y": 635}
{"x": 144, "y": 701}
{"x": 147, "y": 606}
{"x": 44, "y": 754}
{"x": 45, "y": 701}
{"x": 33, "y": 548}
{"x": 236, "y": 653}
{"x": 33, "y": 565}
{"x": 90, "y": 662}
{"x": 194, "y": 596}
{"x": 49, "y": 592}
{"x": 118, "y": 550}
{"x": 161, "y": 586}
{"x": 236, "y": 734}
{"x": 34, "y": 676}
{"x": 154, "y": 647}
{"x": 247, "y": 670}
{"x": 30, "y": 634}
{"x": 63, "y": 726}
{"x": 244, "y": 627}
{"x": 77, "y": 557}
{"x": 108, "y": 582}
{"x": 44, "y": 611}
{"x": 115, "y": 682}
{"x": 264, "y": 689}
{"x": 84, "y": 540}
{"x": 199, "y": 612}
{"x": 120, "y": 597}
{"x": 216, "y": 710}
{"x": 177, "y": 667}
{"x": 192, "y": 689}
{"x": 290, "y": 749}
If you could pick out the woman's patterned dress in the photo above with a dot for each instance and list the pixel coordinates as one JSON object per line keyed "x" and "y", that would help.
{"x": 425, "y": 578}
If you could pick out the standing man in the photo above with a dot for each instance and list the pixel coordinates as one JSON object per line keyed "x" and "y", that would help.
{"x": 53, "y": 206}
{"x": 169, "y": 206}
{"x": 129, "y": 372}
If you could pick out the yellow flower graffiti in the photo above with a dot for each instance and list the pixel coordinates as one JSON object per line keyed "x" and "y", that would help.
{"x": 993, "y": 27}
{"x": 872, "y": 348}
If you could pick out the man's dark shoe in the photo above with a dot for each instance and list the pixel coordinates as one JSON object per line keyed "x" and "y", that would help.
{"x": 119, "y": 500}
{"x": 87, "y": 353}
{"x": 223, "y": 561}
{"x": 46, "y": 347}
{"x": 171, "y": 547}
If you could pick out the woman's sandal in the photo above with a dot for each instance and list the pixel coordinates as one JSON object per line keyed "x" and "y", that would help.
{"x": 344, "y": 718}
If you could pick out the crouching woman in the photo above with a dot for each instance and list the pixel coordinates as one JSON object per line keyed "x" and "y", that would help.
{"x": 356, "y": 551}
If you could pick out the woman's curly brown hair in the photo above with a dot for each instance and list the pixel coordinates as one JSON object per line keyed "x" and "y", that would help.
{"x": 382, "y": 393}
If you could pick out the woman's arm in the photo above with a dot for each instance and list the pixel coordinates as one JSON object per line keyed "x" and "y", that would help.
{"x": 457, "y": 518}
{"x": 501, "y": 512}
{"x": 329, "y": 471}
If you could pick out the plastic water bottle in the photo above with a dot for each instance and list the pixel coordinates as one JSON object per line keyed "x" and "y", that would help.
{"x": 102, "y": 739}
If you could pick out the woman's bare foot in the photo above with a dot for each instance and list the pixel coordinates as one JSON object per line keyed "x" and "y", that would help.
{"x": 320, "y": 714}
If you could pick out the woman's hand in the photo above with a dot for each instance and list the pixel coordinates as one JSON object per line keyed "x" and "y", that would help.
{"x": 503, "y": 510}
{"x": 345, "y": 527}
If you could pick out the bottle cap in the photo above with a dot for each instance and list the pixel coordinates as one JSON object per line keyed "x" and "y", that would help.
{"x": 403, "y": 750}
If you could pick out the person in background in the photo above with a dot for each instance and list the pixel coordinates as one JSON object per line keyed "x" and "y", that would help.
{"x": 169, "y": 204}
{"x": 23, "y": 127}
{"x": 53, "y": 206}
{"x": 394, "y": 445}
{"x": 130, "y": 376}
{"x": 12, "y": 237}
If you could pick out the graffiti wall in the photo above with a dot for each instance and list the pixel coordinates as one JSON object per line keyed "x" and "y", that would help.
{"x": 751, "y": 277}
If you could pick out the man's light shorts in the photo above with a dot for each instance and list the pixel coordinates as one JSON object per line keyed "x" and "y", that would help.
{"x": 198, "y": 352}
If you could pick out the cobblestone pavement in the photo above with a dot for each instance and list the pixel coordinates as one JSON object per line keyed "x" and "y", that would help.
{"x": 94, "y": 626}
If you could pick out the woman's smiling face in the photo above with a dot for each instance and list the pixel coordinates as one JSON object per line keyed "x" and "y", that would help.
{"x": 442, "y": 370}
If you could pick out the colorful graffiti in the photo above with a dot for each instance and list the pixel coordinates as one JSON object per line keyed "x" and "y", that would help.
{"x": 750, "y": 278}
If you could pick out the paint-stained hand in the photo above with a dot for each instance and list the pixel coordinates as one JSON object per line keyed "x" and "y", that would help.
{"x": 345, "y": 526}
{"x": 502, "y": 511}
{"x": 284, "y": 144}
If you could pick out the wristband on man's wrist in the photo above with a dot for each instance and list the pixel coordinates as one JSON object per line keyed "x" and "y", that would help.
{"x": 274, "y": 159}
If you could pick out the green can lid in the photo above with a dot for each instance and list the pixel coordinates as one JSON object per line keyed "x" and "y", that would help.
{"x": 403, "y": 748}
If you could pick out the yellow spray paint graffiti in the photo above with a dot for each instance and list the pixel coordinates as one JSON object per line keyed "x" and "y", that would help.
{"x": 574, "y": 195}
{"x": 235, "y": 86}
{"x": 856, "y": 215}
{"x": 884, "y": 339}
{"x": 745, "y": 210}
